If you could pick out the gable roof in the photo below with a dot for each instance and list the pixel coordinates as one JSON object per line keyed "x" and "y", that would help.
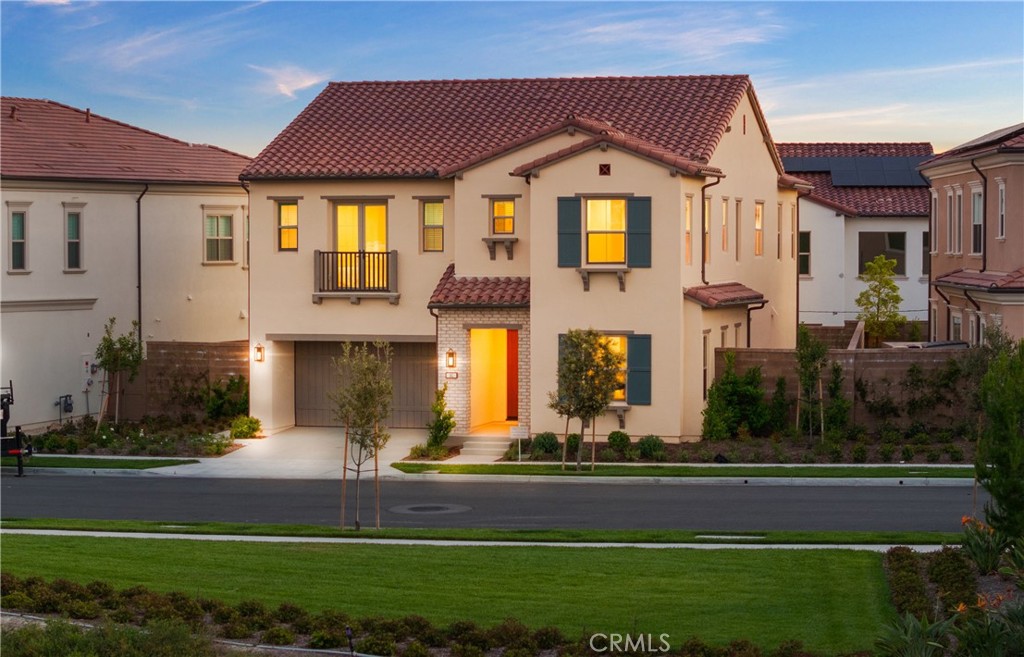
{"x": 1010, "y": 139}
{"x": 990, "y": 281}
{"x": 45, "y": 140}
{"x": 833, "y": 168}
{"x": 480, "y": 292}
{"x": 424, "y": 128}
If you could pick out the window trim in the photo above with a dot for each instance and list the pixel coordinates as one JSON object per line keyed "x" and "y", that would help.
{"x": 688, "y": 229}
{"x": 587, "y": 232}
{"x": 758, "y": 228}
{"x": 800, "y": 254}
{"x": 738, "y": 233}
{"x": 282, "y": 227}
{"x": 22, "y": 208}
{"x": 492, "y": 200}
{"x": 725, "y": 224}
{"x": 706, "y": 243}
{"x": 778, "y": 233}
{"x": 958, "y": 227}
{"x": 76, "y": 210}
{"x": 933, "y": 224}
{"x": 424, "y": 202}
{"x": 949, "y": 221}
{"x": 977, "y": 215}
{"x": 1001, "y": 209}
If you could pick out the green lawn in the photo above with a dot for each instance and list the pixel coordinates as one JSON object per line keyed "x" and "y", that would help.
{"x": 505, "y": 535}
{"x": 832, "y": 600}
{"x": 555, "y": 470}
{"x": 94, "y": 463}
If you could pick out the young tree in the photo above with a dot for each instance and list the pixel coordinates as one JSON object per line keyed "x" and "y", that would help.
{"x": 363, "y": 402}
{"x": 1000, "y": 458}
{"x": 588, "y": 375}
{"x": 811, "y": 354}
{"x": 880, "y": 303}
{"x": 442, "y": 425}
{"x": 118, "y": 356}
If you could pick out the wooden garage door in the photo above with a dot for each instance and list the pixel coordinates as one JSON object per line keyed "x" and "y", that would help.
{"x": 413, "y": 370}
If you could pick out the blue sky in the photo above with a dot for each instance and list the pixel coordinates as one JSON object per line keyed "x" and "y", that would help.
{"x": 234, "y": 74}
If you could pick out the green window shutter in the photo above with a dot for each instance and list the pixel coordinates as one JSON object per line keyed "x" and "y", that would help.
{"x": 638, "y": 231}
{"x": 570, "y": 244}
{"x": 638, "y": 370}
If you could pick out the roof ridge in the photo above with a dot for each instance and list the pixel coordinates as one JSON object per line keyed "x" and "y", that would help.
{"x": 541, "y": 79}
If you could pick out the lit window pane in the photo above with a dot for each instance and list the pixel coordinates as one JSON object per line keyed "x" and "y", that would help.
{"x": 289, "y": 238}
{"x": 211, "y": 226}
{"x": 617, "y": 345}
{"x": 606, "y": 214}
{"x": 433, "y": 214}
{"x": 73, "y": 221}
{"x": 606, "y": 247}
{"x": 224, "y": 225}
{"x": 503, "y": 217}
{"x": 289, "y": 214}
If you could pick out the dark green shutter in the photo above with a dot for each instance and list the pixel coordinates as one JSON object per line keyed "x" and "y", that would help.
{"x": 638, "y": 370}
{"x": 638, "y": 231}
{"x": 570, "y": 245}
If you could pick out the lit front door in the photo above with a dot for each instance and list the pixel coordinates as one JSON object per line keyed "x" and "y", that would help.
{"x": 361, "y": 234}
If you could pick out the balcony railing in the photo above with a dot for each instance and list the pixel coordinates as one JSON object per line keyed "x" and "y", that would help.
{"x": 355, "y": 275}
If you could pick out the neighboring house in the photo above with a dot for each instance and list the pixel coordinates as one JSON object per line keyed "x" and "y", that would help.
{"x": 471, "y": 223}
{"x": 868, "y": 199}
{"x": 977, "y": 201}
{"x": 103, "y": 219}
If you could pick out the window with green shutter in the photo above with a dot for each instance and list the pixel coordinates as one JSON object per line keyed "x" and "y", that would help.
{"x": 570, "y": 238}
{"x": 638, "y": 370}
{"x": 618, "y": 231}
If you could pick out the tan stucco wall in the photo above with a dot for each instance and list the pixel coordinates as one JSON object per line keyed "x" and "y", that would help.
{"x": 44, "y": 344}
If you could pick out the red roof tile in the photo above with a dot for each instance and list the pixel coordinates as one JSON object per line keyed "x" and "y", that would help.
{"x": 418, "y": 129}
{"x": 863, "y": 201}
{"x": 636, "y": 146}
{"x": 723, "y": 294}
{"x": 484, "y": 292}
{"x": 993, "y": 281}
{"x": 841, "y": 149}
{"x": 45, "y": 140}
{"x": 1002, "y": 140}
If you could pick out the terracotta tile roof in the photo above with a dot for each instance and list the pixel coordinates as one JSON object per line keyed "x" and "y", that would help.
{"x": 841, "y": 149}
{"x": 1002, "y": 140}
{"x": 723, "y": 294}
{"x": 45, "y": 140}
{"x": 638, "y": 147}
{"x": 420, "y": 128}
{"x": 992, "y": 281}
{"x": 483, "y": 292}
{"x": 867, "y": 201}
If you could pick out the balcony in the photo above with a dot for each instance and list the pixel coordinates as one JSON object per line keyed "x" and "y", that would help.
{"x": 355, "y": 275}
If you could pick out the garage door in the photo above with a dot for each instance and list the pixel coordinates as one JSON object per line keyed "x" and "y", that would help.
{"x": 413, "y": 370}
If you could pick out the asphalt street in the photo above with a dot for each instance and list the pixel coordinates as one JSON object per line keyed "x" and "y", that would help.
{"x": 450, "y": 502}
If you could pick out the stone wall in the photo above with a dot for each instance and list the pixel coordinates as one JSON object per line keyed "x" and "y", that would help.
{"x": 882, "y": 370}
{"x": 170, "y": 364}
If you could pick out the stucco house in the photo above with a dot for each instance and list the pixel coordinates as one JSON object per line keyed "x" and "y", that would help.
{"x": 868, "y": 199}
{"x": 470, "y": 223}
{"x": 977, "y": 220}
{"x": 103, "y": 219}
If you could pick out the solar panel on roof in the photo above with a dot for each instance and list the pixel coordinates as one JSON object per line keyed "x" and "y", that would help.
{"x": 873, "y": 171}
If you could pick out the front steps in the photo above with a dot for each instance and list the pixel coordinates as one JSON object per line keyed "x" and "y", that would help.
{"x": 488, "y": 448}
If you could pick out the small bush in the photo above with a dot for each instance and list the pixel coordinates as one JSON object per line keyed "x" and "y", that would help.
{"x": 956, "y": 454}
{"x": 607, "y": 455}
{"x": 511, "y": 633}
{"x": 466, "y": 650}
{"x": 245, "y": 426}
{"x": 16, "y": 600}
{"x": 236, "y": 629}
{"x": 326, "y": 639}
{"x": 951, "y": 572}
{"x": 651, "y": 447}
{"x": 907, "y": 453}
{"x": 278, "y": 636}
{"x": 377, "y": 644}
{"x": 618, "y": 441}
{"x": 886, "y": 452}
{"x": 860, "y": 453}
{"x": 287, "y": 612}
{"x": 572, "y": 445}
{"x": 544, "y": 443}
{"x": 548, "y": 637}
{"x": 415, "y": 649}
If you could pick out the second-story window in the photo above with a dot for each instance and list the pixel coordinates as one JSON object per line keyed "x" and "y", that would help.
{"x": 219, "y": 238}
{"x": 73, "y": 240}
{"x": 1001, "y": 218}
{"x": 706, "y": 246}
{"x": 803, "y": 261}
{"x": 688, "y": 229}
{"x": 759, "y": 228}
{"x": 933, "y": 225}
{"x": 503, "y": 216}
{"x": 958, "y": 226}
{"x": 17, "y": 246}
{"x": 977, "y": 212}
{"x": 606, "y": 231}
{"x": 725, "y": 224}
{"x": 288, "y": 226}
{"x": 433, "y": 225}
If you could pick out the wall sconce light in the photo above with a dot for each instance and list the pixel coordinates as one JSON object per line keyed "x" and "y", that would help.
{"x": 259, "y": 353}
{"x": 449, "y": 359}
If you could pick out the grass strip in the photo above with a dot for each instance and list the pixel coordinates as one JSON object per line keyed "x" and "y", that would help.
{"x": 605, "y": 470}
{"x": 832, "y": 600}
{"x": 94, "y": 463}
{"x": 509, "y": 535}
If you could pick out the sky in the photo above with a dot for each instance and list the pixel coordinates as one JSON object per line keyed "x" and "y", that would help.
{"x": 234, "y": 74}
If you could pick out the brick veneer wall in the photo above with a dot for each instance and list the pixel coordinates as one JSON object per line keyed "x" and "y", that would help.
{"x": 880, "y": 369}
{"x": 453, "y": 333}
{"x": 151, "y": 391}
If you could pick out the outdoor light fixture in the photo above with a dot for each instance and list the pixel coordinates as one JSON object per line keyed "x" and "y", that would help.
{"x": 449, "y": 359}
{"x": 259, "y": 353}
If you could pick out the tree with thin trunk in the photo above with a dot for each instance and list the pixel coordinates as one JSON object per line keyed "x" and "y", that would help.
{"x": 362, "y": 402}
{"x": 880, "y": 302}
{"x": 119, "y": 356}
{"x": 588, "y": 375}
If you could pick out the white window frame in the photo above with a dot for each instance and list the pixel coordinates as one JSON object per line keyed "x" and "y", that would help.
{"x": 972, "y": 337}
{"x": 13, "y": 208}
{"x": 933, "y": 224}
{"x": 587, "y": 232}
{"x": 219, "y": 211}
{"x": 956, "y": 330}
{"x": 738, "y": 233}
{"x": 778, "y": 233}
{"x": 282, "y": 227}
{"x": 810, "y": 243}
{"x": 1001, "y": 211}
{"x": 949, "y": 221}
{"x": 958, "y": 227}
{"x": 982, "y": 328}
{"x": 934, "y": 317}
{"x": 77, "y": 210}
{"x": 725, "y": 224}
{"x": 977, "y": 214}
{"x": 758, "y": 228}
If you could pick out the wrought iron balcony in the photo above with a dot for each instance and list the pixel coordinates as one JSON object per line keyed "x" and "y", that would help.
{"x": 355, "y": 275}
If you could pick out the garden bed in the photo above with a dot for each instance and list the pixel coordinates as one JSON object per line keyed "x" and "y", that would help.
{"x": 160, "y": 436}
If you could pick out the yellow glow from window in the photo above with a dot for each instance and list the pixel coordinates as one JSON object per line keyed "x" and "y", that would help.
{"x": 606, "y": 248}
{"x": 606, "y": 214}
{"x": 503, "y": 217}
{"x": 376, "y": 229}
{"x": 606, "y": 231}
{"x": 617, "y": 345}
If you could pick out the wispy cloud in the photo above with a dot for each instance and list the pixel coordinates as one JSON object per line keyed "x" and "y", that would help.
{"x": 286, "y": 80}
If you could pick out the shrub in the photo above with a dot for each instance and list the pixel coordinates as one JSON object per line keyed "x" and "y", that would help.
{"x": 228, "y": 398}
{"x": 443, "y": 423}
{"x": 545, "y": 443}
{"x": 607, "y": 455}
{"x": 511, "y": 633}
{"x": 548, "y": 637}
{"x": 325, "y": 639}
{"x": 466, "y": 650}
{"x": 278, "y": 636}
{"x": 287, "y": 612}
{"x": 983, "y": 544}
{"x": 907, "y": 586}
{"x": 886, "y": 452}
{"x": 415, "y": 649}
{"x": 245, "y": 426}
{"x": 907, "y": 453}
{"x": 651, "y": 447}
{"x": 573, "y": 445}
{"x": 860, "y": 453}
{"x": 382, "y": 645}
{"x": 956, "y": 454}
{"x": 618, "y": 441}
{"x": 953, "y": 576}
{"x": 909, "y": 635}
{"x": 734, "y": 400}
{"x": 236, "y": 629}
{"x": 16, "y": 600}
